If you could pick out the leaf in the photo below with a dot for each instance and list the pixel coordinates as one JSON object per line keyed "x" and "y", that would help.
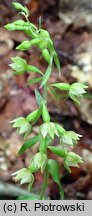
{"x": 30, "y": 197}
{"x": 60, "y": 129}
{"x": 46, "y": 76}
{"x": 28, "y": 144}
{"x": 45, "y": 113}
{"x": 56, "y": 60}
{"x": 39, "y": 98}
{"x": 60, "y": 152}
{"x": 53, "y": 169}
{"x": 31, "y": 68}
{"x": 62, "y": 86}
{"x": 35, "y": 80}
{"x": 33, "y": 115}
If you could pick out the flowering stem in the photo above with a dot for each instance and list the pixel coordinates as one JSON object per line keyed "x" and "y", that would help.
{"x": 44, "y": 184}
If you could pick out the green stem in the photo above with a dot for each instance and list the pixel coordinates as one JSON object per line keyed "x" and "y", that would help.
{"x": 46, "y": 169}
{"x": 44, "y": 184}
{"x": 45, "y": 92}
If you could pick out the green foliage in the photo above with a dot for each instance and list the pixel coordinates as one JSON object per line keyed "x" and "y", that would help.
{"x": 39, "y": 98}
{"x": 62, "y": 86}
{"x": 28, "y": 144}
{"x": 53, "y": 169}
{"x": 46, "y": 76}
{"x": 45, "y": 113}
{"x": 31, "y": 197}
{"x": 48, "y": 130}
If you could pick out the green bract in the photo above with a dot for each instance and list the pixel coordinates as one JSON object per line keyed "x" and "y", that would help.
{"x": 28, "y": 144}
{"x": 48, "y": 130}
{"x": 33, "y": 116}
{"x": 60, "y": 152}
{"x": 62, "y": 86}
{"x": 53, "y": 169}
{"x": 45, "y": 113}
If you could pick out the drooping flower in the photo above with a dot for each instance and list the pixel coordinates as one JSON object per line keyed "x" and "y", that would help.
{"x": 72, "y": 160}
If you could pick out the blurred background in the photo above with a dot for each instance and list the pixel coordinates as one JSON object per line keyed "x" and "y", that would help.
{"x": 70, "y": 25}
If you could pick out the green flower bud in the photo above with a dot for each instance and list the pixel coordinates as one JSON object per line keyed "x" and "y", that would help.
{"x": 20, "y": 23}
{"x": 18, "y": 6}
{"x": 44, "y": 33}
{"x": 42, "y": 44}
{"x": 25, "y": 45}
{"x": 46, "y": 55}
{"x": 10, "y": 27}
